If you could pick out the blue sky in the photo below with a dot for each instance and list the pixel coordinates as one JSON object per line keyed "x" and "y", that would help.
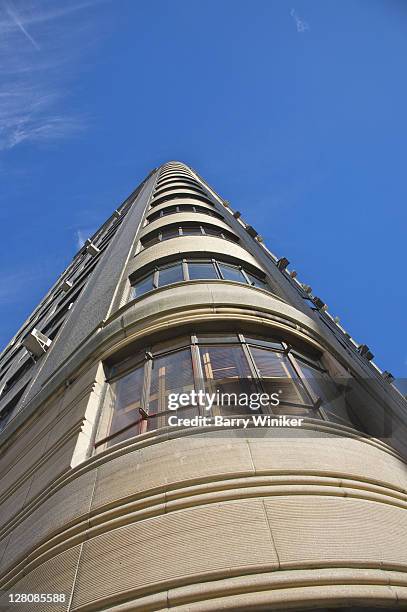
{"x": 293, "y": 111}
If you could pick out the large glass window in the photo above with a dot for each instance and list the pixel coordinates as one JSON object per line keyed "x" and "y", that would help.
{"x": 186, "y": 229}
{"x": 230, "y": 363}
{"x": 193, "y": 270}
{"x": 171, "y": 373}
{"x": 232, "y": 273}
{"x": 255, "y": 281}
{"x": 278, "y": 376}
{"x": 227, "y": 370}
{"x": 201, "y": 270}
{"x": 170, "y": 274}
{"x": 143, "y": 285}
{"x": 125, "y": 395}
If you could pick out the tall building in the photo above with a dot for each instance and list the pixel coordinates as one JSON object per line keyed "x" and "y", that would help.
{"x": 111, "y": 500}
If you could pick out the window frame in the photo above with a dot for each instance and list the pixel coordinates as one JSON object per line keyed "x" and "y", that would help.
{"x": 145, "y": 358}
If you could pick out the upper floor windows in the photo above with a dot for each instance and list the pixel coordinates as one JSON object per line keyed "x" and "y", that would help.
{"x": 195, "y": 269}
{"x": 178, "y": 187}
{"x": 186, "y": 229}
{"x": 176, "y": 195}
{"x": 8, "y": 410}
{"x": 176, "y": 181}
{"x": 181, "y": 208}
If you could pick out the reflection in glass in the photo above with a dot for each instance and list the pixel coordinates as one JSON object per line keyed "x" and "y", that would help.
{"x": 171, "y": 373}
{"x": 201, "y": 270}
{"x": 170, "y": 274}
{"x": 231, "y": 273}
{"x": 143, "y": 285}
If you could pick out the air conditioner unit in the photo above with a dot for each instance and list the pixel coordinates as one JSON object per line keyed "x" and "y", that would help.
{"x": 117, "y": 214}
{"x": 320, "y": 304}
{"x": 91, "y": 248}
{"x": 237, "y": 214}
{"x": 36, "y": 342}
{"x": 251, "y": 231}
{"x": 282, "y": 263}
{"x": 364, "y": 350}
{"x": 293, "y": 273}
{"x": 388, "y": 376}
{"x": 307, "y": 288}
{"x": 66, "y": 285}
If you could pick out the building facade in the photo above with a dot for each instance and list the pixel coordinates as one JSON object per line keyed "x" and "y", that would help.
{"x": 107, "y": 504}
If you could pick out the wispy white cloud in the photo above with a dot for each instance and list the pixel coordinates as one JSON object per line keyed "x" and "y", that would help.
{"x": 83, "y": 234}
{"x": 301, "y": 25}
{"x": 16, "y": 19}
{"x": 40, "y": 47}
{"x": 80, "y": 238}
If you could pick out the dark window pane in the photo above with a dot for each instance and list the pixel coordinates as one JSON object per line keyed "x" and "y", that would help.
{"x": 261, "y": 341}
{"x": 169, "y": 211}
{"x": 169, "y": 232}
{"x": 171, "y": 274}
{"x": 212, "y": 231}
{"x": 220, "y": 338}
{"x": 143, "y": 285}
{"x": 256, "y": 282}
{"x": 153, "y": 217}
{"x": 170, "y": 374}
{"x": 333, "y": 395}
{"x": 191, "y": 230}
{"x": 147, "y": 242}
{"x": 232, "y": 273}
{"x": 199, "y": 270}
{"x": 126, "y": 399}
{"x": 278, "y": 375}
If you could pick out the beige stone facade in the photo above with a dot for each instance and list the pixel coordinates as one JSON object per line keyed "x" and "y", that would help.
{"x": 196, "y": 519}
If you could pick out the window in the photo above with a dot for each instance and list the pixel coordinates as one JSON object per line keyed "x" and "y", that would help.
{"x": 170, "y": 232}
{"x": 279, "y": 376}
{"x": 255, "y": 281}
{"x": 230, "y": 363}
{"x": 201, "y": 270}
{"x": 178, "y": 186}
{"x": 125, "y": 395}
{"x": 170, "y": 274}
{"x": 231, "y": 273}
{"x": 182, "y": 208}
{"x": 226, "y": 369}
{"x": 191, "y": 230}
{"x": 170, "y": 373}
{"x": 8, "y": 410}
{"x": 18, "y": 375}
{"x": 166, "y": 197}
{"x": 187, "y": 229}
{"x": 192, "y": 270}
{"x": 143, "y": 285}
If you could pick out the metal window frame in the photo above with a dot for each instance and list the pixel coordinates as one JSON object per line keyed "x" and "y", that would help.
{"x": 193, "y": 344}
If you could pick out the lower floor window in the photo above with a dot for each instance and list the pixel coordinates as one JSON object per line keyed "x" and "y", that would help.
{"x": 231, "y": 365}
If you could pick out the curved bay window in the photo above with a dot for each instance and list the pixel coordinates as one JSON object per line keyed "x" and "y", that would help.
{"x": 191, "y": 195}
{"x": 195, "y": 269}
{"x": 184, "y": 184}
{"x": 230, "y": 365}
{"x": 186, "y": 229}
{"x": 180, "y": 208}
